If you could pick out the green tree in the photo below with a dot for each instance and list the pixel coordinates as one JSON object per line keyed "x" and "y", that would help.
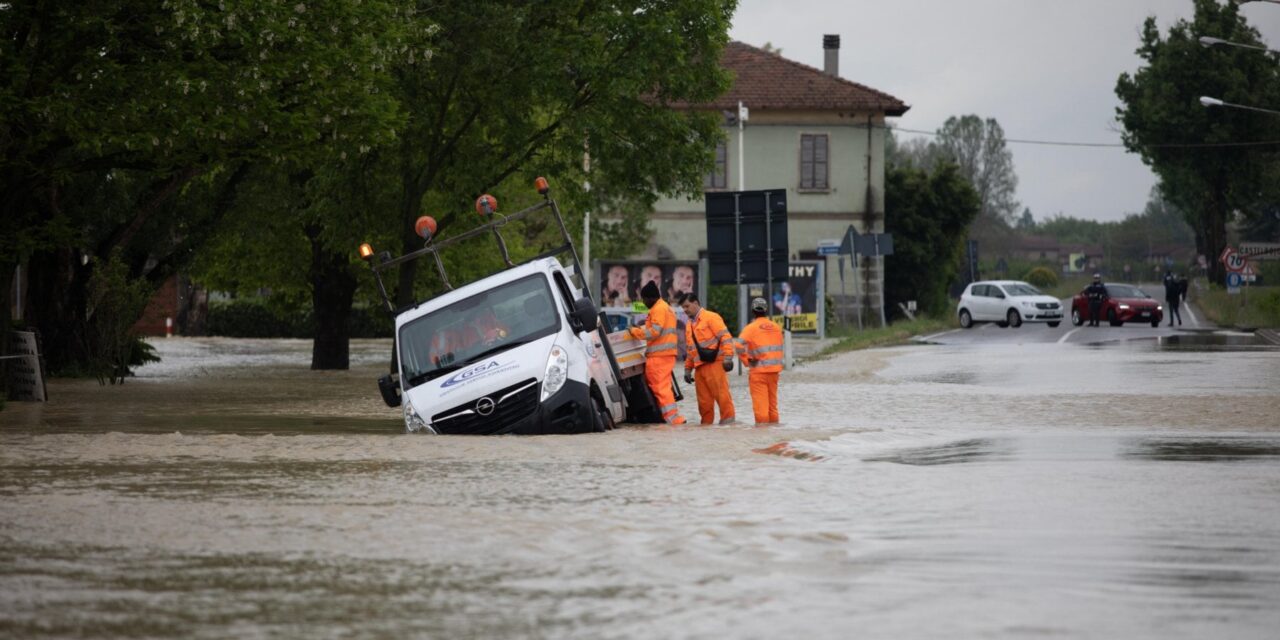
{"x": 927, "y": 213}
{"x": 1026, "y": 222}
{"x": 125, "y": 124}
{"x": 539, "y": 91}
{"x": 547, "y": 82}
{"x": 1196, "y": 151}
{"x": 978, "y": 147}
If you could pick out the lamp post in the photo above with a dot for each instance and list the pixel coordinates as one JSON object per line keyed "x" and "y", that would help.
{"x": 1209, "y": 41}
{"x": 1214, "y": 102}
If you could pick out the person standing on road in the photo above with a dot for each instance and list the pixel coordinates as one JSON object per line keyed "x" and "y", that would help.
{"x": 659, "y": 332}
{"x": 1172, "y": 296}
{"x": 1097, "y": 294}
{"x": 708, "y": 352}
{"x": 760, "y": 349}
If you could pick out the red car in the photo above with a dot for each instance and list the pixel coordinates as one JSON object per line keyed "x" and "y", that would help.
{"x": 1124, "y": 303}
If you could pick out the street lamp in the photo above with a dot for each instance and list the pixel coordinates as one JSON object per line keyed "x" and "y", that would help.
{"x": 1214, "y": 102}
{"x": 1209, "y": 41}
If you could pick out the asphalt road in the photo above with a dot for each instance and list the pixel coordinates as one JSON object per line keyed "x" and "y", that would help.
{"x": 1036, "y": 332}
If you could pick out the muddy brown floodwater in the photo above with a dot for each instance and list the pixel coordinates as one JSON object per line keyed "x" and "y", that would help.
{"x": 1124, "y": 490}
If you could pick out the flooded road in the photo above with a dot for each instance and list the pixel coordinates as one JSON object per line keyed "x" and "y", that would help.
{"x": 1125, "y": 489}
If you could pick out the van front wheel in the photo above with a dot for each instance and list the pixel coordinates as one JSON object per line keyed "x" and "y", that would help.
{"x": 601, "y": 419}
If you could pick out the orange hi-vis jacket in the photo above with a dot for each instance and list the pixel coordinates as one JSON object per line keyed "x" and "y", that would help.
{"x": 707, "y": 331}
{"x": 659, "y": 331}
{"x": 761, "y": 343}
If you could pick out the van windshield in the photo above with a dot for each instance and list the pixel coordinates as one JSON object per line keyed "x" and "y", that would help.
{"x": 452, "y": 337}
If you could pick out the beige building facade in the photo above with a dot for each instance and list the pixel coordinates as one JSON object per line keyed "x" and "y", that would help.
{"x": 820, "y": 137}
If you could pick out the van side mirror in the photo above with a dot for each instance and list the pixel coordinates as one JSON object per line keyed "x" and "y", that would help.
{"x": 584, "y": 315}
{"x": 389, "y": 387}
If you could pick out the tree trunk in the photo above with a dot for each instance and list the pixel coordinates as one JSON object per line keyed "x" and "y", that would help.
{"x": 332, "y": 288}
{"x": 1216, "y": 232}
{"x": 7, "y": 272}
{"x": 57, "y": 306}
{"x": 409, "y": 242}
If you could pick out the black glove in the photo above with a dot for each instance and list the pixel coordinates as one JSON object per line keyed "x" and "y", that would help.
{"x": 728, "y": 364}
{"x": 688, "y": 376}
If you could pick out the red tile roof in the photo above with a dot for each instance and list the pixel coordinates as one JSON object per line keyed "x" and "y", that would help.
{"x": 767, "y": 81}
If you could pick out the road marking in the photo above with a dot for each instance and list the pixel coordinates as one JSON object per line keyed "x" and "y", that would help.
{"x": 1064, "y": 338}
{"x": 937, "y": 335}
{"x": 1186, "y": 308}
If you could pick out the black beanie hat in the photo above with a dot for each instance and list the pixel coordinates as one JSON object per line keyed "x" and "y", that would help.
{"x": 650, "y": 291}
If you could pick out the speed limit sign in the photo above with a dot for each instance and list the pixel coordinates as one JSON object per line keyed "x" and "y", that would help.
{"x": 1236, "y": 262}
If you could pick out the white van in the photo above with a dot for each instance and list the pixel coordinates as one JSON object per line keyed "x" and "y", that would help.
{"x": 521, "y": 351}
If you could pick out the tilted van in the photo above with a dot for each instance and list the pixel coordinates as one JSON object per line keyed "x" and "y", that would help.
{"x": 522, "y": 351}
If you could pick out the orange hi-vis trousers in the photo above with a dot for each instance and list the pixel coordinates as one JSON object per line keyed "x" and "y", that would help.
{"x": 657, "y": 373}
{"x": 713, "y": 389}
{"x": 764, "y": 396}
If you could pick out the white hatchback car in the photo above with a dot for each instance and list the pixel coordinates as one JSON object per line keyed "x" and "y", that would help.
{"x": 1008, "y": 303}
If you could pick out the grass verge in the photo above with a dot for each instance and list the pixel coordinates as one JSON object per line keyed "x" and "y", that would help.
{"x": 901, "y": 332}
{"x": 1259, "y": 307}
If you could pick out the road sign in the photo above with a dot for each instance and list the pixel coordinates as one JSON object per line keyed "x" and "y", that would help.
{"x": 1236, "y": 262}
{"x": 874, "y": 244}
{"x": 828, "y": 247}
{"x": 747, "y": 236}
{"x": 848, "y": 241}
{"x": 1234, "y": 279}
{"x": 1226, "y": 252}
{"x": 1261, "y": 250}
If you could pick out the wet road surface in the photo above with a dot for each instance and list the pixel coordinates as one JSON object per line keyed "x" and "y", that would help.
{"x": 1099, "y": 490}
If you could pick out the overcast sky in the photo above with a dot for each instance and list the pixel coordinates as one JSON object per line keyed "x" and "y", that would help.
{"x": 1045, "y": 69}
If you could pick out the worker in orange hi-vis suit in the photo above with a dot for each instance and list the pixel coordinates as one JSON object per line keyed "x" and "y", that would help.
{"x": 708, "y": 351}
{"x": 659, "y": 331}
{"x": 760, "y": 348}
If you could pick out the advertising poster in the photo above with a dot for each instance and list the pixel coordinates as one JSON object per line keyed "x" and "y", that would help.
{"x": 798, "y": 298}
{"x": 620, "y": 281}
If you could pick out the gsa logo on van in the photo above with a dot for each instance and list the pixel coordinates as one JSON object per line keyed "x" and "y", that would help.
{"x": 467, "y": 374}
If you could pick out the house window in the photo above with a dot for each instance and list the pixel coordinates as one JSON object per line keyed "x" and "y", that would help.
{"x": 719, "y": 177}
{"x": 814, "y": 166}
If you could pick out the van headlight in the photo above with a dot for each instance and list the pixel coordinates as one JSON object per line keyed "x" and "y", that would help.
{"x": 557, "y": 372}
{"x": 413, "y": 422}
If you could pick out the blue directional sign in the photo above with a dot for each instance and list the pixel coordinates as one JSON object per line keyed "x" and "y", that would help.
{"x": 1234, "y": 280}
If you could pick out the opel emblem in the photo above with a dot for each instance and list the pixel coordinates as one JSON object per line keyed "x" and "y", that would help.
{"x": 484, "y": 406}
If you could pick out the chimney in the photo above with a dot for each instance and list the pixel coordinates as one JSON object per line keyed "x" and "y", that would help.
{"x": 831, "y": 53}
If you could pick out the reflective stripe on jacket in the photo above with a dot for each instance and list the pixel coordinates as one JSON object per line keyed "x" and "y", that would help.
{"x": 659, "y": 331}
{"x": 761, "y": 343}
{"x": 706, "y": 332}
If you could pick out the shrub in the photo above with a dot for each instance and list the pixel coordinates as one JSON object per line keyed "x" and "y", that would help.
{"x": 246, "y": 318}
{"x": 1041, "y": 277}
{"x": 253, "y": 318}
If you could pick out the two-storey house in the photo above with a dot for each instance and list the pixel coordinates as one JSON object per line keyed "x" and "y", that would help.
{"x": 814, "y": 133}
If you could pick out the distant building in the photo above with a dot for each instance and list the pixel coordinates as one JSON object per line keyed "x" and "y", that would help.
{"x": 814, "y": 133}
{"x": 1035, "y": 248}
